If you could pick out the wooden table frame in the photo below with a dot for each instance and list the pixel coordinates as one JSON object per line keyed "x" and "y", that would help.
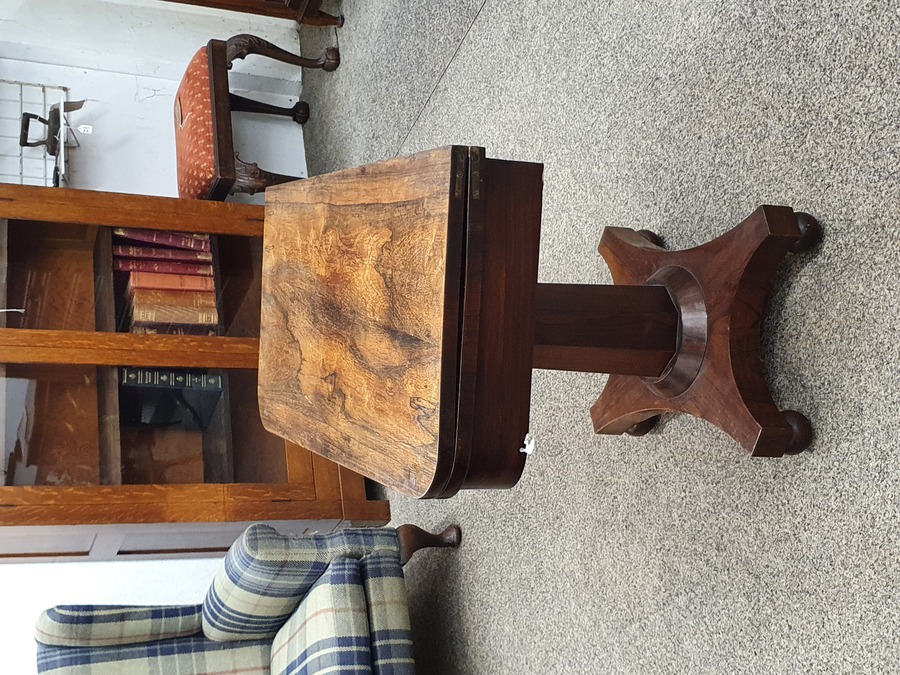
{"x": 678, "y": 331}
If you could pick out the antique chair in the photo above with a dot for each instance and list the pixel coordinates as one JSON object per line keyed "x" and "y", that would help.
{"x": 208, "y": 167}
{"x": 308, "y": 604}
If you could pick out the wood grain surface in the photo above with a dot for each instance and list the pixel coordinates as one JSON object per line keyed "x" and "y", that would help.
{"x": 273, "y": 8}
{"x": 503, "y": 241}
{"x": 65, "y": 205}
{"x": 726, "y": 385}
{"x": 630, "y": 330}
{"x": 359, "y": 329}
{"x": 44, "y": 505}
{"x": 19, "y": 345}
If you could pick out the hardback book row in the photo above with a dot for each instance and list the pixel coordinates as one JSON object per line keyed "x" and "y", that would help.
{"x": 170, "y": 284}
{"x": 160, "y": 397}
{"x": 166, "y": 284}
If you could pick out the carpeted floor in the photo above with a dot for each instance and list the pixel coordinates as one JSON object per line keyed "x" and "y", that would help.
{"x": 674, "y": 552}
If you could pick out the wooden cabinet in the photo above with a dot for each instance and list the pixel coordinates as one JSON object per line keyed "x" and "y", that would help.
{"x": 279, "y": 9}
{"x": 69, "y": 461}
{"x": 304, "y": 11}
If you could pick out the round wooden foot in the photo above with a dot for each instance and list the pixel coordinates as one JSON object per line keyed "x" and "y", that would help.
{"x": 301, "y": 112}
{"x": 801, "y": 431}
{"x": 652, "y": 237}
{"x": 810, "y": 232}
{"x": 645, "y": 427}
{"x": 452, "y": 536}
{"x": 332, "y": 59}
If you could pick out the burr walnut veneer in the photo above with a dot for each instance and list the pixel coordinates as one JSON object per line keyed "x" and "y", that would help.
{"x": 384, "y": 342}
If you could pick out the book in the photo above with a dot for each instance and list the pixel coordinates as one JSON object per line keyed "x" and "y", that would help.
{"x": 163, "y": 266}
{"x": 196, "y": 242}
{"x": 173, "y": 328}
{"x": 151, "y": 253}
{"x": 146, "y": 297}
{"x": 150, "y": 314}
{"x": 164, "y": 377}
{"x": 160, "y": 397}
{"x": 162, "y": 282}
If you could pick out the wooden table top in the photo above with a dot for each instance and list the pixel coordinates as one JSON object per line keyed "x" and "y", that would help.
{"x": 360, "y": 315}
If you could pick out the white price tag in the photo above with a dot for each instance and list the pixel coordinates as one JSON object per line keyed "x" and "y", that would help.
{"x": 529, "y": 444}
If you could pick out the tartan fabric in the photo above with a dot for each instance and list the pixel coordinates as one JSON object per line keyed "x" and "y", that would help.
{"x": 99, "y": 625}
{"x": 329, "y": 631}
{"x": 194, "y": 655}
{"x": 390, "y": 635}
{"x": 265, "y": 575}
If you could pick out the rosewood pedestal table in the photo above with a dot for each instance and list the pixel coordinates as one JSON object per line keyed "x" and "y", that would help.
{"x": 401, "y": 318}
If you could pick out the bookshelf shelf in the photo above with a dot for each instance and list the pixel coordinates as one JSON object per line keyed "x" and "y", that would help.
{"x": 71, "y": 459}
{"x": 22, "y": 345}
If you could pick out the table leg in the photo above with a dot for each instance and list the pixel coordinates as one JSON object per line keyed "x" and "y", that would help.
{"x": 630, "y": 330}
{"x": 299, "y": 112}
{"x": 241, "y": 46}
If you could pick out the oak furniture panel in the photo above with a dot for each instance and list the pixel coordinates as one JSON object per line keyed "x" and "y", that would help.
{"x": 66, "y": 345}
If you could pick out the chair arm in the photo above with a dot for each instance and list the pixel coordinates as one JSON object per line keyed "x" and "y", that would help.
{"x": 265, "y": 575}
{"x": 329, "y": 630}
{"x": 103, "y": 625}
{"x": 390, "y": 635}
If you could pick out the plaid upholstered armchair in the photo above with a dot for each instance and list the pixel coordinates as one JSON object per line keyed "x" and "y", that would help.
{"x": 331, "y": 603}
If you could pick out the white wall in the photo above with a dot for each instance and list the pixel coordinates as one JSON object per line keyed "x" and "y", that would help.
{"x": 28, "y": 589}
{"x": 126, "y": 58}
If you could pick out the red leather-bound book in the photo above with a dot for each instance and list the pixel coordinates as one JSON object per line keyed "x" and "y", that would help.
{"x": 170, "y": 282}
{"x": 162, "y": 266}
{"x": 153, "y": 253}
{"x": 195, "y": 242}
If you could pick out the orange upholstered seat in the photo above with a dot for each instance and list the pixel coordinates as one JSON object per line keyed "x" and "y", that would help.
{"x": 194, "y": 139}
{"x": 208, "y": 168}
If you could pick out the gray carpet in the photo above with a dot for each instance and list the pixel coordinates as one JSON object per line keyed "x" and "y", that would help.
{"x": 674, "y": 552}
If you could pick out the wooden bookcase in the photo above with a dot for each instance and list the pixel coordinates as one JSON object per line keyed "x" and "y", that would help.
{"x": 304, "y": 11}
{"x": 58, "y": 390}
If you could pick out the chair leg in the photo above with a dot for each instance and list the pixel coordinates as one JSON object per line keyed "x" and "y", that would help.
{"x": 250, "y": 179}
{"x": 241, "y": 46}
{"x": 413, "y": 538}
{"x": 299, "y": 112}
